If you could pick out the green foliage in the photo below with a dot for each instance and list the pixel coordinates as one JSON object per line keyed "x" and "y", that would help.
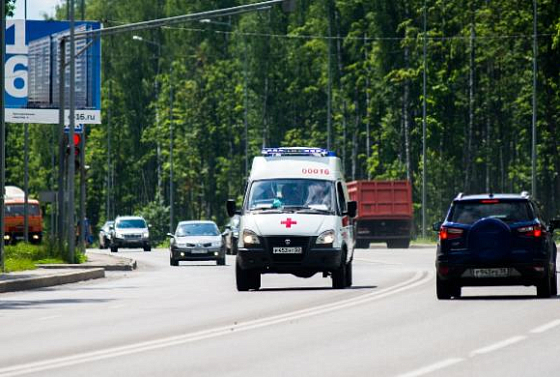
{"x": 24, "y": 256}
{"x": 157, "y": 216}
{"x": 202, "y": 82}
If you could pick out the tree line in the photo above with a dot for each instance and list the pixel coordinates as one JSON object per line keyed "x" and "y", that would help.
{"x": 215, "y": 92}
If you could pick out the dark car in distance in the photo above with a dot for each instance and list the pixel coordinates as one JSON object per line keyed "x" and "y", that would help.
{"x": 495, "y": 239}
{"x": 231, "y": 235}
{"x": 105, "y": 235}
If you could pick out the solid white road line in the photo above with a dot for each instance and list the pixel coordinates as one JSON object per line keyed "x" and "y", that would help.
{"x": 497, "y": 346}
{"x": 16, "y": 370}
{"x": 432, "y": 368}
{"x": 546, "y": 327}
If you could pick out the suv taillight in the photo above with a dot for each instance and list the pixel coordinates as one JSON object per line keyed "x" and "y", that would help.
{"x": 446, "y": 233}
{"x": 530, "y": 231}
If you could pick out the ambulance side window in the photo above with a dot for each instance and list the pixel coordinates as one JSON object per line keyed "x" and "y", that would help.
{"x": 340, "y": 198}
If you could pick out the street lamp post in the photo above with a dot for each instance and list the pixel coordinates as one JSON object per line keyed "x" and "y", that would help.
{"x": 156, "y": 88}
{"x": 171, "y": 186}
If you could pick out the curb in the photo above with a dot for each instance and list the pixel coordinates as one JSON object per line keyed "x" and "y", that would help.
{"x": 50, "y": 280}
{"x": 122, "y": 264}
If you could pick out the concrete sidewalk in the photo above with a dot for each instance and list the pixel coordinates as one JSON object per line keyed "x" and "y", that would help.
{"x": 54, "y": 274}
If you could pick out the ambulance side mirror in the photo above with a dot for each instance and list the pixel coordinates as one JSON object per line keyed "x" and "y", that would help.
{"x": 230, "y": 206}
{"x": 352, "y": 208}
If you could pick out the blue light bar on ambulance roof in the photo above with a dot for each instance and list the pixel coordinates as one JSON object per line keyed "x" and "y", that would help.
{"x": 297, "y": 151}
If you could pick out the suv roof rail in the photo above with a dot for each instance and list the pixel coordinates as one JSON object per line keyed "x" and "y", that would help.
{"x": 525, "y": 194}
{"x": 459, "y": 195}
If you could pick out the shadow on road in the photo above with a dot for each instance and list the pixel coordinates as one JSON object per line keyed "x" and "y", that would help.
{"x": 17, "y": 305}
{"x": 358, "y": 287}
{"x": 505, "y": 298}
{"x": 200, "y": 265}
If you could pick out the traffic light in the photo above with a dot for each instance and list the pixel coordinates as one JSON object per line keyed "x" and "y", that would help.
{"x": 77, "y": 154}
{"x": 77, "y": 149}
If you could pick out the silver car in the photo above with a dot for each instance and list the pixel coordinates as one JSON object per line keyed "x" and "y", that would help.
{"x": 197, "y": 241}
{"x": 130, "y": 232}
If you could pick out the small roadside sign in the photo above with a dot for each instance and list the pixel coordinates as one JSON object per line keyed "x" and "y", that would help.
{"x": 78, "y": 129}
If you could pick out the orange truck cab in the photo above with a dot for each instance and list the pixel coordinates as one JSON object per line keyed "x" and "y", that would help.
{"x": 14, "y": 221}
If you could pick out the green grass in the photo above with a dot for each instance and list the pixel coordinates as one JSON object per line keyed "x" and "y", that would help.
{"x": 22, "y": 256}
{"x": 427, "y": 240}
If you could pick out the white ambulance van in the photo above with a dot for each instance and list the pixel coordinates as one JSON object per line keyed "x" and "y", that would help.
{"x": 295, "y": 218}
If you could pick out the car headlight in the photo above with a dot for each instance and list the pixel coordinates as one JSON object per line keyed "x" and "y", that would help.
{"x": 250, "y": 238}
{"x": 146, "y": 234}
{"x": 217, "y": 243}
{"x": 326, "y": 238}
{"x": 118, "y": 235}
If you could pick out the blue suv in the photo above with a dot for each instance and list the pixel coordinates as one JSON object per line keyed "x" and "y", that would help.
{"x": 495, "y": 239}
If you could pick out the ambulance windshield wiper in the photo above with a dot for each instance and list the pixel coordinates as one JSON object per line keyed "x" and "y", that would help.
{"x": 309, "y": 209}
{"x": 268, "y": 208}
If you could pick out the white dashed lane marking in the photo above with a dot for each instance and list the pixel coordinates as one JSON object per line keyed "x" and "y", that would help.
{"x": 497, "y": 346}
{"x": 432, "y": 368}
{"x": 546, "y": 327}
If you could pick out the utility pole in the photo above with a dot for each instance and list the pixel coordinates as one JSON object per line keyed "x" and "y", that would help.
{"x": 329, "y": 77}
{"x": 246, "y": 105}
{"x": 72, "y": 157}
{"x": 368, "y": 115}
{"x": 534, "y": 123}
{"x": 61, "y": 147}
{"x": 171, "y": 196}
{"x": 83, "y": 225}
{"x": 2, "y": 133}
{"x": 424, "y": 165}
{"x": 25, "y": 163}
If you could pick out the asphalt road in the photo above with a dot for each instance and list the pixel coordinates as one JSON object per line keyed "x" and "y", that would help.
{"x": 191, "y": 321}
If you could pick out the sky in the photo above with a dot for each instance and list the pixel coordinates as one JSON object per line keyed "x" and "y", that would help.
{"x": 35, "y": 8}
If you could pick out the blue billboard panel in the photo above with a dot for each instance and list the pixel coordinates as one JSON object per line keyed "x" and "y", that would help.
{"x": 32, "y": 72}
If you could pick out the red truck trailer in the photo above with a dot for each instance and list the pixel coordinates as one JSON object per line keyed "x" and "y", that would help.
{"x": 385, "y": 212}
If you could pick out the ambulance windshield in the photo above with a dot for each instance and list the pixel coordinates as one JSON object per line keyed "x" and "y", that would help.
{"x": 292, "y": 195}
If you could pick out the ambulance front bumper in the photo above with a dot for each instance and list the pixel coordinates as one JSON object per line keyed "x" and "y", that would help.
{"x": 313, "y": 259}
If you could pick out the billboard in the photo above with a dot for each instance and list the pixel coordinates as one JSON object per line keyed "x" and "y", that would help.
{"x": 32, "y": 70}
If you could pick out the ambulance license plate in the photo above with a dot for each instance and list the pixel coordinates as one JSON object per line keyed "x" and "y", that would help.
{"x": 287, "y": 250}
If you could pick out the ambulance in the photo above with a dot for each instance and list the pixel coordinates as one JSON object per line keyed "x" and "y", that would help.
{"x": 295, "y": 218}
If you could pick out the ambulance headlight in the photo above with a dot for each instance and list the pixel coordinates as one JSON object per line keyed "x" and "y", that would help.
{"x": 326, "y": 238}
{"x": 250, "y": 238}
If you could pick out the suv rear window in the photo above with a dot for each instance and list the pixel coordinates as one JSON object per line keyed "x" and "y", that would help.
{"x": 507, "y": 211}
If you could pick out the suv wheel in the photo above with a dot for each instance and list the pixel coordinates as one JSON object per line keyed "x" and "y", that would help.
{"x": 444, "y": 290}
{"x": 114, "y": 249}
{"x": 221, "y": 261}
{"x": 544, "y": 286}
{"x": 173, "y": 262}
{"x": 147, "y": 248}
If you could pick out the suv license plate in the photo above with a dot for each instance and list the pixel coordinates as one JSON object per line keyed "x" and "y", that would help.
{"x": 491, "y": 272}
{"x": 198, "y": 251}
{"x": 287, "y": 250}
